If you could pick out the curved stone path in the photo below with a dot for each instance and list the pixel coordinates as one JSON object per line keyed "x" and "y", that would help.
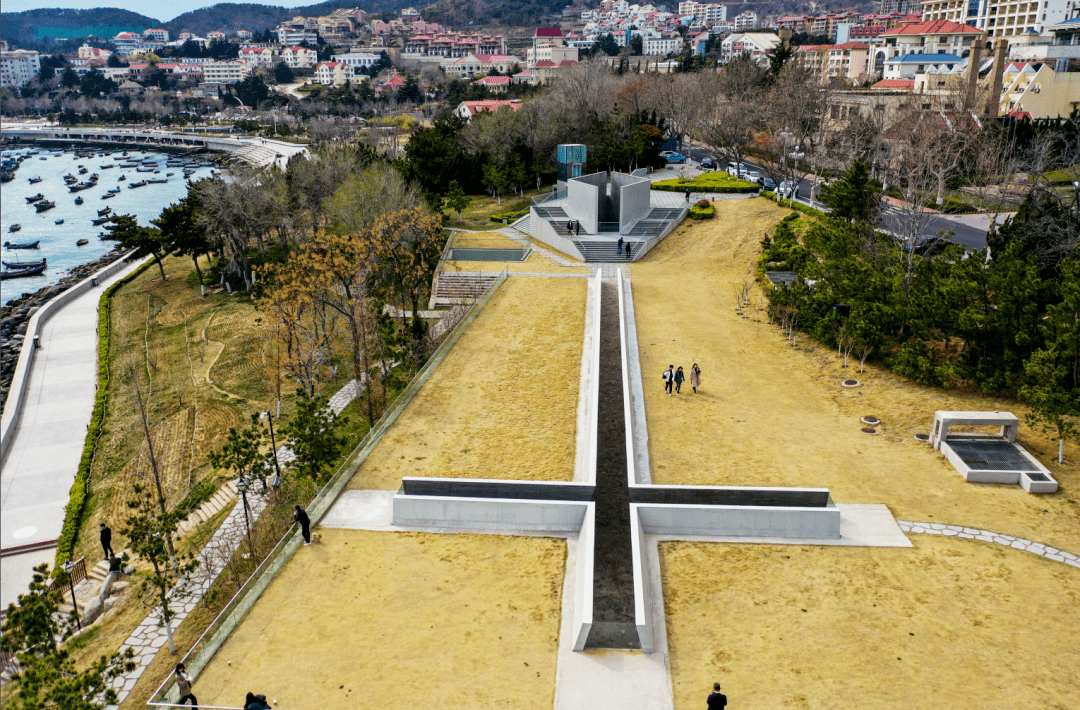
{"x": 1035, "y": 548}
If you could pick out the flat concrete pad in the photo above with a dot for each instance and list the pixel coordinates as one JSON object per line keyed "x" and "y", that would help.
{"x": 16, "y": 572}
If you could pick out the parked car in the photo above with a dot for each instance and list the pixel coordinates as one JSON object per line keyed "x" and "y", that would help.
{"x": 928, "y": 246}
{"x": 736, "y": 169}
{"x": 751, "y": 176}
{"x": 707, "y": 164}
{"x": 768, "y": 183}
{"x": 784, "y": 190}
{"x": 666, "y": 153}
{"x": 675, "y": 158}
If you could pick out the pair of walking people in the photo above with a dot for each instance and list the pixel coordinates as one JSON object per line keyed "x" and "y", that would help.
{"x": 673, "y": 379}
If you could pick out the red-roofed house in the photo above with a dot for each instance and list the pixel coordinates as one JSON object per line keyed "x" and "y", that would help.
{"x": 828, "y": 62}
{"x": 392, "y": 84}
{"x": 468, "y": 109}
{"x": 895, "y": 84}
{"x": 333, "y": 73}
{"x": 215, "y": 35}
{"x": 258, "y": 57}
{"x": 88, "y": 52}
{"x": 299, "y": 57}
{"x": 495, "y": 84}
{"x": 918, "y": 37}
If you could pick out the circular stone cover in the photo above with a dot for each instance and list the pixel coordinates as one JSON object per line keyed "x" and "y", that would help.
{"x": 922, "y": 437}
{"x": 850, "y": 383}
{"x": 871, "y": 420}
{"x": 869, "y": 430}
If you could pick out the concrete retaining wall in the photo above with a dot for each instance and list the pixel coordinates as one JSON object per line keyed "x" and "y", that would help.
{"x": 17, "y": 394}
{"x": 634, "y": 198}
{"x": 542, "y": 231}
{"x": 584, "y": 195}
{"x": 492, "y": 488}
{"x": 583, "y": 579}
{"x": 737, "y": 520}
{"x": 642, "y": 597}
{"x": 730, "y": 495}
{"x": 488, "y": 513}
{"x": 588, "y": 389}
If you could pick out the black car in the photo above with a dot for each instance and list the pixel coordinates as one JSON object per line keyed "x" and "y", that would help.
{"x": 707, "y": 164}
{"x": 928, "y": 246}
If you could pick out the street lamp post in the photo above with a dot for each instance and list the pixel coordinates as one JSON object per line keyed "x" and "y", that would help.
{"x": 69, "y": 567}
{"x": 242, "y": 486}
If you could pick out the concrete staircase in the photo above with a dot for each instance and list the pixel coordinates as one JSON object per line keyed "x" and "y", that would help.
{"x": 605, "y": 250}
{"x": 454, "y": 287}
{"x": 224, "y": 497}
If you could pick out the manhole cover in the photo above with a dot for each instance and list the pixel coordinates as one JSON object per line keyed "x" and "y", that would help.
{"x": 872, "y": 421}
{"x": 869, "y": 430}
{"x": 922, "y": 437}
{"x": 850, "y": 383}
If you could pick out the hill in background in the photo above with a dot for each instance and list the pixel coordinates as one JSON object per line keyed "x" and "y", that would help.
{"x": 36, "y": 26}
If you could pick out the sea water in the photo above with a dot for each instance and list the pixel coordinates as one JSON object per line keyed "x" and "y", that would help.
{"x": 58, "y": 241}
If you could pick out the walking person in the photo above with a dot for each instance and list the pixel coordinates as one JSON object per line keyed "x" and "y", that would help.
{"x": 669, "y": 379}
{"x": 256, "y": 702}
{"x": 300, "y": 516}
{"x": 680, "y": 377}
{"x": 577, "y": 229}
{"x": 183, "y": 682}
{"x": 106, "y": 541}
{"x": 688, "y": 194}
{"x": 716, "y": 699}
{"x": 620, "y": 246}
{"x": 695, "y": 377}
{"x": 627, "y": 249}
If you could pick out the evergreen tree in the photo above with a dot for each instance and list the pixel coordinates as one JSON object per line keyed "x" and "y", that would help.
{"x": 313, "y": 436}
{"x": 853, "y": 197}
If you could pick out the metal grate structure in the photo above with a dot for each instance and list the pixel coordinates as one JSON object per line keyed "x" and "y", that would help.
{"x": 991, "y": 455}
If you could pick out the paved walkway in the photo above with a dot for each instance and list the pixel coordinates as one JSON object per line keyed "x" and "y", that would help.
{"x": 40, "y": 463}
{"x": 1018, "y": 543}
{"x": 149, "y": 637}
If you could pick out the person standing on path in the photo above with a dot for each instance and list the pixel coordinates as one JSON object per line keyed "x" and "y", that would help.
{"x": 680, "y": 377}
{"x": 716, "y": 699}
{"x": 300, "y": 516}
{"x": 688, "y": 194}
{"x": 695, "y": 377}
{"x": 577, "y": 229}
{"x": 619, "y": 245}
{"x": 669, "y": 379}
{"x": 183, "y": 682}
{"x": 106, "y": 541}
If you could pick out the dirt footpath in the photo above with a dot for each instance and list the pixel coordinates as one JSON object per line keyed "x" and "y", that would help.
{"x": 503, "y": 404}
{"x": 373, "y": 620}
{"x": 771, "y": 415}
{"x": 952, "y": 624}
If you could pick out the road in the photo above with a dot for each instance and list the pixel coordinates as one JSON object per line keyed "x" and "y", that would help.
{"x": 966, "y": 230}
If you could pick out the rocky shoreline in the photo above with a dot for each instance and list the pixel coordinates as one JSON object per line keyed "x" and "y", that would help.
{"x": 14, "y": 316}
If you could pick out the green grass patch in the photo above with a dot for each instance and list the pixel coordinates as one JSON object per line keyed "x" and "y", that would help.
{"x": 703, "y": 209}
{"x": 707, "y": 182}
{"x": 84, "y": 639}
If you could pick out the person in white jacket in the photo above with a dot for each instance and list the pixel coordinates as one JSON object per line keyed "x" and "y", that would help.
{"x": 669, "y": 379}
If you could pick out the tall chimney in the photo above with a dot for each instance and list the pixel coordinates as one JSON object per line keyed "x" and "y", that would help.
{"x": 994, "y": 107}
{"x": 974, "y": 60}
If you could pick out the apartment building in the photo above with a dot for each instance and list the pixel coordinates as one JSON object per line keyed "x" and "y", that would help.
{"x": 127, "y": 43}
{"x": 664, "y": 44}
{"x": 288, "y": 36}
{"x": 229, "y": 72}
{"x": 832, "y": 62}
{"x": 299, "y": 57}
{"x": 758, "y": 44}
{"x": 258, "y": 57}
{"x": 87, "y": 52}
{"x": 333, "y": 73}
{"x": 746, "y": 21}
{"x": 156, "y": 35}
{"x": 474, "y": 65}
{"x": 910, "y": 65}
{"x": 454, "y": 45}
{"x": 929, "y": 37}
{"x": 1002, "y": 18}
{"x": 707, "y": 14}
{"x": 18, "y": 68}
{"x": 1035, "y": 90}
{"x": 357, "y": 60}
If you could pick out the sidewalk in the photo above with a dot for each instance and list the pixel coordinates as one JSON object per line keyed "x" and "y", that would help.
{"x": 43, "y": 457}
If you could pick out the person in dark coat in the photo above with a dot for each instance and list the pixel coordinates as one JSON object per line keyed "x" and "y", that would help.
{"x": 620, "y": 246}
{"x": 256, "y": 702}
{"x": 716, "y": 699}
{"x": 106, "y": 541}
{"x": 688, "y": 194}
{"x": 679, "y": 379}
{"x": 300, "y": 516}
{"x": 577, "y": 229}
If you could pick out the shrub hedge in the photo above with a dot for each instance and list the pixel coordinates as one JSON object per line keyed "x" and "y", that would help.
{"x": 702, "y": 212}
{"x": 73, "y": 512}
{"x": 707, "y": 182}
{"x": 798, "y": 207}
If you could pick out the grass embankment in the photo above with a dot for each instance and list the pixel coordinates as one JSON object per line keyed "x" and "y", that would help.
{"x": 477, "y": 216}
{"x": 775, "y": 415}
{"x": 193, "y": 402}
{"x": 503, "y": 404}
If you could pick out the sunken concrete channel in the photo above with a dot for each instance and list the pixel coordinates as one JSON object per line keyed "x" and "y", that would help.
{"x": 613, "y": 583}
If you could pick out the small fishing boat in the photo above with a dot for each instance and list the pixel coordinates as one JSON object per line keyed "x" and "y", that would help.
{"x": 79, "y": 200}
{"x": 25, "y": 245}
{"x": 169, "y": 174}
{"x": 34, "y": 180}
{"x": 36, "y": 198}
{"x": 102, "y": 213}
{"x": 44, "y": 205}
{"x": 14, "y": 228}
{"x": 106, "y": 167}
{"x": 133, "y": 185}
{"x": 159, "y": 181}
{"x": 113, "y": 190}
{"x": 108, "y": 195}
{"x": 16, "y": 273}
{"x": 82, "y": 170}
{"x": 59, "y": 221}
{"x": 100, "y": 221}
{"x": 82, "y": 242}
{"x": 25, "y": 264}
{"x": 122, "y": 178}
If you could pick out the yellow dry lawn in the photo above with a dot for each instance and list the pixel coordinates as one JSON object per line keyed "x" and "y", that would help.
{"x": 950, "y": 623}
{"x": 768, "y": 414}
{"x": 536, "y": 263}
{"x": 393, "y": 620}
{"x": 503, "y": 404}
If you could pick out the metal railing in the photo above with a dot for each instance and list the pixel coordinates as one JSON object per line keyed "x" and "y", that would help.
{"x": 211, "y": 640}
{"x": 555, "y": 195}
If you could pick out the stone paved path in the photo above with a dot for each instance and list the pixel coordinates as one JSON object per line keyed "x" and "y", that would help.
{"x": 149, "y": 637}
{"x": 1035, "y": 548}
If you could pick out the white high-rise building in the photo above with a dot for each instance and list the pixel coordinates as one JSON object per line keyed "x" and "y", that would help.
{"x": 17, "y": 68}
{"x": 1002, "y": 18}
{"x": 746, "y": 21}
